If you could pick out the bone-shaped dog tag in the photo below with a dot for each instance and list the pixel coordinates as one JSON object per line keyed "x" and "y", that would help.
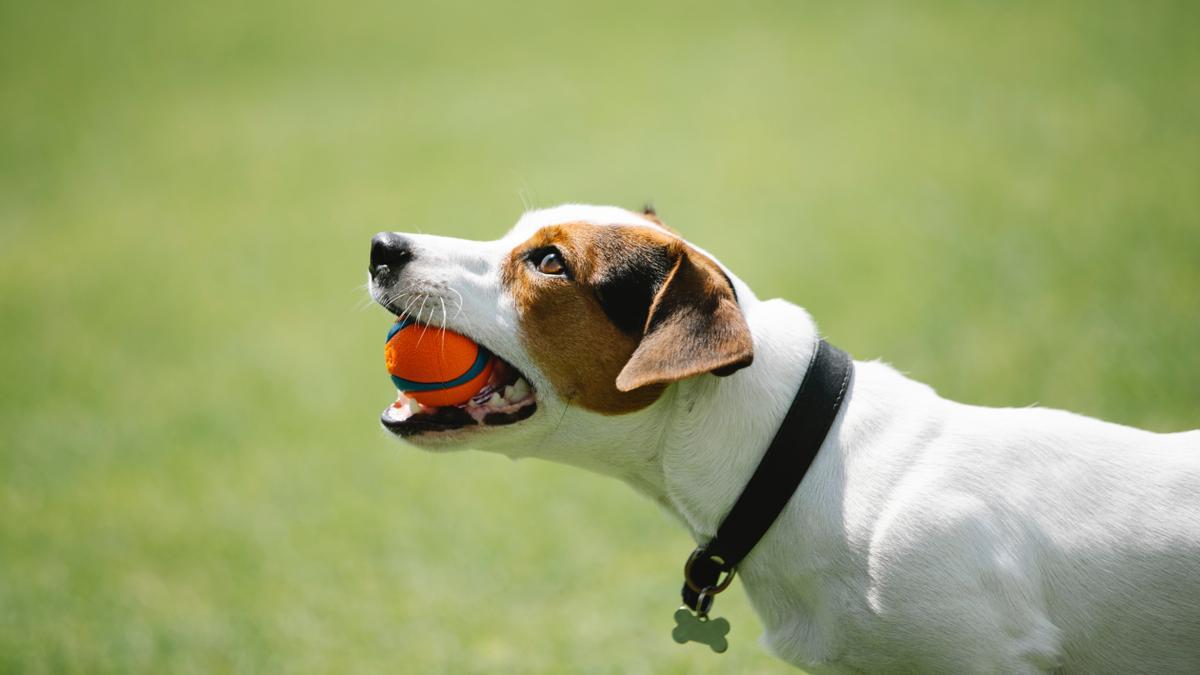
{"x": 692, "y": 628}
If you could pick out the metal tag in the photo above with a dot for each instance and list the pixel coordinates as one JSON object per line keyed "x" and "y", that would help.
{"x": 692, "y": 628}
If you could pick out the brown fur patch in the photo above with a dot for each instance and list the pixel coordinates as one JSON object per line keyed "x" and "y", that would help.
{"x": 584, "y": 331}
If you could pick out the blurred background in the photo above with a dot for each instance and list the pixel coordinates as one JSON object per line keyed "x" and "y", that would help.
{"x": 1001, "y": 200}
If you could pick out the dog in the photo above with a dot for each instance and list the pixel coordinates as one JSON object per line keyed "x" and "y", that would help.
{"x": 928, "y": 536}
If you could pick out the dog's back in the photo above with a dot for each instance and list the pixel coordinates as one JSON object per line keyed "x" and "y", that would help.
{"x": 1125, "y": 558}
{"x": 1056, "y": 540}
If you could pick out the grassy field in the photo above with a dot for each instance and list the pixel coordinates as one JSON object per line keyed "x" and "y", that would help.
{"x": 1003, "y": 201}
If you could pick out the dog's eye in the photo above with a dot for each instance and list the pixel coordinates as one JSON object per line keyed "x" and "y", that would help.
{"x": 551, "y": 263}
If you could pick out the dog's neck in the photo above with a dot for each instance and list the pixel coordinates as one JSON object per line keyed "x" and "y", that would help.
{"x": 716, "y": 429}
{"x": 695, "y": 448}
{"x": 721, "y": 427}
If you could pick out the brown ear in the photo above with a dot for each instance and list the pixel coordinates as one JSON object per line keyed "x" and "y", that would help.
{"x": 695, "y": 326}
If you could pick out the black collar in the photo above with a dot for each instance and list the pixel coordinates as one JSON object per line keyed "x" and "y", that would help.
{"x": 779, "y": 473}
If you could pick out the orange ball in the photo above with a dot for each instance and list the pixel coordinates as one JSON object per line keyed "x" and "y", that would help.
{"x": 435, "y": 367}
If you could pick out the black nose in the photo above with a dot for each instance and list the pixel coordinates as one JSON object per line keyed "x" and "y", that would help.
{"x": 389, "y": 253}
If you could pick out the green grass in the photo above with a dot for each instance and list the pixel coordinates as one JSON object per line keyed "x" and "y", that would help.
{"x": 1003, "y": 201}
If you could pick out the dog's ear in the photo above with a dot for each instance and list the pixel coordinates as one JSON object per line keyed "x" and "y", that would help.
{"x": 694, "y": 326}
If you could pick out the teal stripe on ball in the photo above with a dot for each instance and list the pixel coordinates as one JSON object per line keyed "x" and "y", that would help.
{"x": 398, "y": 326}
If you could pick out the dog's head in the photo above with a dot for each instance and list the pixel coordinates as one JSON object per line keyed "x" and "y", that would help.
{"x": 597, "y": 309}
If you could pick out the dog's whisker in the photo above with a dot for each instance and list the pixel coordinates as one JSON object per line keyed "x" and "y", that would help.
{"x": 459, "y": 308}
{"x": 528, "y": 196}
{"x": 408, "y": 306}
{"x": 563, "y": 416}
{"x": 424, "y": 323}
{"x": 403, "y": 291}
{"x": 363, "y": 303}
{"x": 444, "y": 320}
{"x": 367, "y": 299}
{"x": 399, "y": 297}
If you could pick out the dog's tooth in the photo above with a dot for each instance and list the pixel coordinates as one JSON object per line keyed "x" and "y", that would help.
{"x": 520, "y": 390}
{"x": 495, "y": 401}
{"x": 413, "y": 406}
{"x": 508, "y": 393}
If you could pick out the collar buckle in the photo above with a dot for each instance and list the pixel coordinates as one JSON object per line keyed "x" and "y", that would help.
{"x": 713, "y": 566}
{"x": 703, "y": 581}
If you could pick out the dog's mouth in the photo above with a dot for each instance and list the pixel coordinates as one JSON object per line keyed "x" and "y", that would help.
{"x": 505, "y": 398}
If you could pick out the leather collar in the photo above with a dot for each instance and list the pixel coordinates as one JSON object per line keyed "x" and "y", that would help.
{"x": 779, "y": 473}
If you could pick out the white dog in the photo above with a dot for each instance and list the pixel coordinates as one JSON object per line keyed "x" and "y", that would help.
{"x": 927, "y": 536}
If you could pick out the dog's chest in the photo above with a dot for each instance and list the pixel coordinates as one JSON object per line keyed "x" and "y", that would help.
{"x": 809, "y": 591}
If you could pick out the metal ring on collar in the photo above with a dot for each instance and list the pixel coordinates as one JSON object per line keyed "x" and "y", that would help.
{"x": 709, "y": 590}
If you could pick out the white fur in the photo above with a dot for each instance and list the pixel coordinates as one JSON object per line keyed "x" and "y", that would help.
{"x": 929, "y": 536}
